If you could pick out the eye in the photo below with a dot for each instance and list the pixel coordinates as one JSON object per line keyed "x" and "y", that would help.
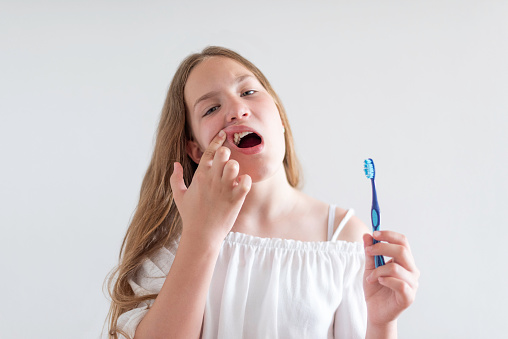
{"x": 211, "y": 110}
{"x": 248, "y": 93}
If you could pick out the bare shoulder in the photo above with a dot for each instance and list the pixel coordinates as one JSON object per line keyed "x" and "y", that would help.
{"x": 354, "y": 229}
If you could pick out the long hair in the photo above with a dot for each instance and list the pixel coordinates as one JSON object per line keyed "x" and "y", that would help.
{"x": 156, "y": 221}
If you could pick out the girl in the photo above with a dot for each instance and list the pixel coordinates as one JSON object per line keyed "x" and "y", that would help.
{"x": 224, "y": 245}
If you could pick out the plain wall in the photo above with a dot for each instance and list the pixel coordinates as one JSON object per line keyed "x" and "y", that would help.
{"x": 419, "y": 86}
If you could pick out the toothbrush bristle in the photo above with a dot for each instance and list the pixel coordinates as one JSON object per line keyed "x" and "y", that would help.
{"x": 368, "y": 167}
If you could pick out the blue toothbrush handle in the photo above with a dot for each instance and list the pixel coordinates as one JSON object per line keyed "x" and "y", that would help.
{"x": 379, "y": 259}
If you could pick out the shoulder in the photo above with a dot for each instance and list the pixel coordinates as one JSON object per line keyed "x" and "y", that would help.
{"x": 158, "y": 263}
{"x": 354, "y": 229}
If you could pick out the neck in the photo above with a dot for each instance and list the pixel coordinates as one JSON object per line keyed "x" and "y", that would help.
{"x": 267, "y": 201}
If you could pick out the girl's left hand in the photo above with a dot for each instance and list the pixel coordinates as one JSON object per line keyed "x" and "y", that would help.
{"x": 391, "y": 288}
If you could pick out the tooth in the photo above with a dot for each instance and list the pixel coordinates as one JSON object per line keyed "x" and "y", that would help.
{"x": 238, "y": 136}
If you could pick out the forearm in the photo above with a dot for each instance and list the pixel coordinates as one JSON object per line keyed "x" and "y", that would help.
{"x": 388, "y": 331}
{"x": 178, "y": 310}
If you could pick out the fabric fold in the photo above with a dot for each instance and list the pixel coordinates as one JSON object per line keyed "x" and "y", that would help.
{"x": 261, "y": 285}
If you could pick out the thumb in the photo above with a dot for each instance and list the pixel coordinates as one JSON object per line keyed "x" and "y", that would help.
{"x": 176, "y": 181}
{"x": 369, "y": 259}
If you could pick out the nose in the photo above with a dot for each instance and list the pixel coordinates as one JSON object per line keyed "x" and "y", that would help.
{"x": 237, "y": 110}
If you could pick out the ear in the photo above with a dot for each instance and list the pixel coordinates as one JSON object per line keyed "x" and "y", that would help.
{"x": 193, "y": 151}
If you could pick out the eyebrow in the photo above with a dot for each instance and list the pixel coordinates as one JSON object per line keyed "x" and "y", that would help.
{"x": 208, "y": 95}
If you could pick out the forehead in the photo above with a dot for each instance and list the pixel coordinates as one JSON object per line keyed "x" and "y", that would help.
{"x": 210, "y": 74}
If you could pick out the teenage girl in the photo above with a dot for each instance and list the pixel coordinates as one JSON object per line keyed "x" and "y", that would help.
{"x": 224, "y": 245}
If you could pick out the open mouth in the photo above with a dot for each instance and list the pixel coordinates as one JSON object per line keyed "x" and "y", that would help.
{"x": 246, "y": 139}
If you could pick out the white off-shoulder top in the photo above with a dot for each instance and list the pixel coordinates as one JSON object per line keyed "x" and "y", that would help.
{"x": 272, "y": 288}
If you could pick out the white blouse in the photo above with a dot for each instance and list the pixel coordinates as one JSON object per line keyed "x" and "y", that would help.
{"x": 272, "y": 288}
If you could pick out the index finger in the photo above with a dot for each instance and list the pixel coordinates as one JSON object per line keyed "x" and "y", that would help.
{"x": 209, "y": 153}
{"x": 392, "y": 237}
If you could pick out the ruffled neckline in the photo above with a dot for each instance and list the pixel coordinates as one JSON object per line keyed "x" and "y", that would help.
{"x": 292, "y": 244}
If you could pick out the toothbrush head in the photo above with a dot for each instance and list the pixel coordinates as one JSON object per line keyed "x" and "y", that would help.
{"x": 369, "y": 169}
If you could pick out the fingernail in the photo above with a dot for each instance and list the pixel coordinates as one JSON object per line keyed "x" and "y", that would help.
{"x": 222, "y": 133}
{"x": 377, "y": 233}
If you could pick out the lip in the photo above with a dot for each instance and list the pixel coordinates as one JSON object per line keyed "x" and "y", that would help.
{"x": 230, "y": 137}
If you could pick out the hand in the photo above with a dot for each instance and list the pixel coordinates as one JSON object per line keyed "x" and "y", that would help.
{"x": 391, "y": 288}
{"x": 210, "y": 205}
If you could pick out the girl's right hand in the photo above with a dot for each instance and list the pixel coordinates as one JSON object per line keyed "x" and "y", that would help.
{"x": 210, "y": 205}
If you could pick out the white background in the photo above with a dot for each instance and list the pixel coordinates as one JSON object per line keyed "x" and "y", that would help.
{"x": 419, "y": 86}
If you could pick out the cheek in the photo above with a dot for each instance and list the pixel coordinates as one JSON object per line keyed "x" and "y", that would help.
{"x": 276, "y": 120}
{"x": 199, "y": 137}
{"x": 206, "y": 133}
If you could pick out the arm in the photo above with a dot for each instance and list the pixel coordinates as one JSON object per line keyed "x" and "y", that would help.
{"x": 209, "y": 208}
{"x": 178, "y": 309}
{"x": 382, "y": 332}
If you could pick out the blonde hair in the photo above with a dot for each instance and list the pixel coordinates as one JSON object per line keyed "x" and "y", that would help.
{"x": 156, "y": 221}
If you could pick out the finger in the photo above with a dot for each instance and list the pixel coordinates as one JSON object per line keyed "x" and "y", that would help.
{"x": 370, "y": 264}
{"x": 176, "y": 182}
{"x": 400, "y": 254}
{"x": 219, "y": 161}
{"x": 404, "y": 294}
{"x": 230, "y": 173}
{"x": 244, "y": 184}
{"x": 208, "y": 155}
{"x": 392, "y": 237}
{"x": 393, "y": 270}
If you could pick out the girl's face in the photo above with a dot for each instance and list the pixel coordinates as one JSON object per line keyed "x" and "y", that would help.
{"x": 221, "y": 93}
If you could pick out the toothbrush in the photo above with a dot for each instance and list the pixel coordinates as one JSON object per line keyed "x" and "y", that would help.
{"x": 370, "y": 172}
